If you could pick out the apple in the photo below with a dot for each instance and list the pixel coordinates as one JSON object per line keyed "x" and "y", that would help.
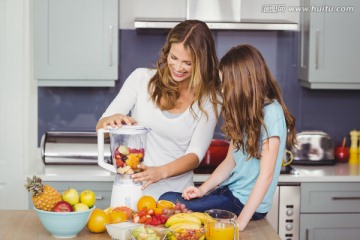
{"x": 63, "y": 206}
{"x": 88, "y": 197}
{"x": 71, "y": 196}
{"x": 123, "y": 150}
{"x": 342, "y": 153}
{"x": 80, "y": 207}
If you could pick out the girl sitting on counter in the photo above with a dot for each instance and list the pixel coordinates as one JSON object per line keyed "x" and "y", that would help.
{"x": 260, "y": 126}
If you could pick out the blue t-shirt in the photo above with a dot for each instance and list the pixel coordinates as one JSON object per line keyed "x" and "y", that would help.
{"x": 244, "y": 175}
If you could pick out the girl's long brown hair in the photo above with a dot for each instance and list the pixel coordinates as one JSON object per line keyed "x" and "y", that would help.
{"x": 247, "y": 87}
{"x": 198, "y": 40}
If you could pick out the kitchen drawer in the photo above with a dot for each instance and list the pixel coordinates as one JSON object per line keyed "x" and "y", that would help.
{"x": 102, "y": 191}
{"x": 330, "y": 198}
{"x": 330, "y": 226}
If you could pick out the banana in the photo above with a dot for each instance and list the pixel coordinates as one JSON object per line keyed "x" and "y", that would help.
{"x": 203, "y": 217}
{"x": 184, "y": 225}
{"x": 182, "y": 218}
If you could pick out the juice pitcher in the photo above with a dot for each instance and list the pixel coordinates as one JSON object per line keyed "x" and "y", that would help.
{"x": 221, "y": 225}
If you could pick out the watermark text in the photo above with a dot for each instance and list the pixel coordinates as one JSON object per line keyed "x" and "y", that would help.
{"x": 282, "y": 8}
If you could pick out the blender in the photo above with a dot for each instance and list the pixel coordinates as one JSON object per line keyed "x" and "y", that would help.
{"x": 127, "y": 146}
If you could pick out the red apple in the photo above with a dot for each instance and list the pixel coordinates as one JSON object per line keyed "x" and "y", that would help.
{"x": 63, "y": 206}
{"x": 342, "y": 154}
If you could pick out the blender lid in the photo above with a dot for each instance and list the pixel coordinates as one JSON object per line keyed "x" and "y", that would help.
{"x": 130, "y": 129}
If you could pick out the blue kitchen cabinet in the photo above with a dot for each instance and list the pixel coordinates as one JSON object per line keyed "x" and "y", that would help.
{"x": 329, "y": 52}
{"x": 76, "y": 42}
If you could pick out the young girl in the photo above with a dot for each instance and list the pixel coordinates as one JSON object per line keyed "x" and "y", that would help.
{"x": 259, "y": 126}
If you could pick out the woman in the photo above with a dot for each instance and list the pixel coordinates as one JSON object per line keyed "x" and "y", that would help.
{"x": 179, "y": 101}
{"x": 259, "y": 125}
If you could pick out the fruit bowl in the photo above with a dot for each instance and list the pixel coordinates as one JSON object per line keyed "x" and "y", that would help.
{"x": 147, "y": 232}
{"x": 64, "y": 224}
{"x": 120, "y": 231}
{"x": 187, "y": 234}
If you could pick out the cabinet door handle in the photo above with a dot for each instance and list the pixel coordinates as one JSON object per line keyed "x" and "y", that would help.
{"x": 110, "y": 44}
{"x": 345, "y": 198}
{"x": 317, "y": 48}
{"x": 307, "y": 234}
{"x": 99, "y": 197}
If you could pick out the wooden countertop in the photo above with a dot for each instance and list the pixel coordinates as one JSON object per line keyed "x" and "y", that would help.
{"x": 24, "y": 224}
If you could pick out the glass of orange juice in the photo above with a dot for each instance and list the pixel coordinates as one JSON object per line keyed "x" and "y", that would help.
{"x": 221, "y": 224}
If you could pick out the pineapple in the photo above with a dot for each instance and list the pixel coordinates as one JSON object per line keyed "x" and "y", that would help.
{"x": 44, "y": 196}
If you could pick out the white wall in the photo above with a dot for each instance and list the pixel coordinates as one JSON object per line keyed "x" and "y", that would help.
{"x": 18, "y": 98}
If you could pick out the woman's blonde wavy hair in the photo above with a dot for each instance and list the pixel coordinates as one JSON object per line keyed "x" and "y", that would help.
{"x": 247, "y": 87}
{"x": 198, "y": 40}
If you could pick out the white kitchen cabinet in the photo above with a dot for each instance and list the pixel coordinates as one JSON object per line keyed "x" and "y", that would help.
{"x": 76, "y": 42}
{"x": 330, "y": 211}
{"x": 102, "y": 190}
{"x": 329, "y": 52}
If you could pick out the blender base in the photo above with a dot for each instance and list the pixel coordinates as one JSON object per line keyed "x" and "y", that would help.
{"x": 126, "y": 195}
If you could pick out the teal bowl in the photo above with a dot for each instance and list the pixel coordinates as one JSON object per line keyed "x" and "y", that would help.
{"x": 64, "y": 224}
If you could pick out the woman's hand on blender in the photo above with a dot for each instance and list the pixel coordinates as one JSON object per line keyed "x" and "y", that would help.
{"x": 117, "y": 120}
{"x": 148, "y": 175}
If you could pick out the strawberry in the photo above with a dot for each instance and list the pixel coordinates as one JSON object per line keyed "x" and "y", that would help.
{"x": 142, "y": 219}
{"x": 119, "y": 163}
{"x": 143, "y": 212}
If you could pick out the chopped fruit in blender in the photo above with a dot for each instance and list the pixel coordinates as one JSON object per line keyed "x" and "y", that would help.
{"x": 123, "y": 170}
{"x": 120, "y": 163}
{"x": 123, "y": 150}
{"x": 127, "y": 159}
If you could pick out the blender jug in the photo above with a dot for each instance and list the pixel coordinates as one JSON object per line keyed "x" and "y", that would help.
{"x": 127, "y": 146}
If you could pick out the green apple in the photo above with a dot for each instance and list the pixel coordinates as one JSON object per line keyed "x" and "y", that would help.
{"x": 88, "y": 197}
{"x": 80, "y": 207}
{"x": 71, "y": 196}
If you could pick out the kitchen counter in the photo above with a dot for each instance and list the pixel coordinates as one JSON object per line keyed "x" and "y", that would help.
{"x": 24, "y": 224}
{"x": 341, "y": 172}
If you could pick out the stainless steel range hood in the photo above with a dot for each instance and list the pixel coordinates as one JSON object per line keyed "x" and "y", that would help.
{"x": 223, "y": 15}
{"x": 243, "y": 25}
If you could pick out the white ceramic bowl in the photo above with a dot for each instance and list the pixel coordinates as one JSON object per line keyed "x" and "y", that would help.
{"x": 120, "y": 231}
{"x": 64, "y": 224}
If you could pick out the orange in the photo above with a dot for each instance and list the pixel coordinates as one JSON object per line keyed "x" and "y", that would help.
{"x": 165, "y": 204}
{"x": 117, "y": 216}
{"x": 97, "y": 221}
{"x": 147, "y": 202}
{"x": 108, "y": 210}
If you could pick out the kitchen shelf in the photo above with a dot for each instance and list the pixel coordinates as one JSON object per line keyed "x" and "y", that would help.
{"x": 246, "y": 24}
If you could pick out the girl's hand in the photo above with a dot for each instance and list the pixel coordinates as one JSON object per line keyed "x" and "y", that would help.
{"x": 192, "y": 192}
{"x": 148, "y": 175}
{"x": 117, "y": 120}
